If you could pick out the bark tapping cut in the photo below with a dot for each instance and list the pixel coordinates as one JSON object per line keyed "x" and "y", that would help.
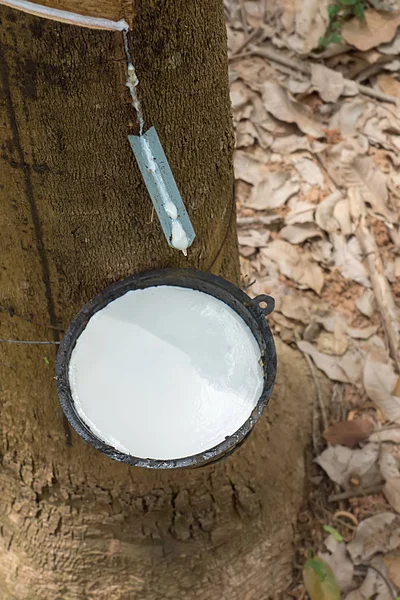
{"x": 75, "y": 216}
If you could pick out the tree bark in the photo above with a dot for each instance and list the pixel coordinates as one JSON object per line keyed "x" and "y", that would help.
{"x": 75, "y": 216}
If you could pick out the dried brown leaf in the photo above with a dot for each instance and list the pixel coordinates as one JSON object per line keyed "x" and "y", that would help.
{"x": 296, "y": 266}
{"x": 254, "y": 13}
{"x": 327, "y": 82}
{"x": 361, "y": 334}
{"x": 309, "y": 171}
{"x": 374, "y": 585}
{"x": 350, "y": 168}
{"x": 342, "y": 463}
{"x": 310, "y": 23}
{"x": 366, "y": 303}
{"x": 272, "y": 192}
{"x": 335, "y": 345}
{"x": 330, "y": 365}
{"x": 346, "y": 119}
{"x": 245, "y": 134}
{"x": 389, "y": 84}
{"x": 386, "y": 435}
{"x": 377, "y": 28}
{"x": 254, "y": 238}
{"x": 392, "y": 564}
{"x": 388, "y": 464}
{"x": 249, "y": 169}
{"x": 339, "y": 562}
{"x": 392, "y": 492}
{"x": 349, "y": 433}
{"x": 386, "y": 5}
{"x": 379, "y": 381}
{"x": 297, "y": 234}
{"x": 295, "y": 307}
{"x": 380, "y": 533}
{"x": 341, "y": 213}
{"x": 300, "y": 212}
{"x": 324, "y": 213}
{"x": 278, "y": 103}
{"x": 347, "y": 256}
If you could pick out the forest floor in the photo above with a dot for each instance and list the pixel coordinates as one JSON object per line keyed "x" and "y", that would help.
{"x": 318, "y": 194}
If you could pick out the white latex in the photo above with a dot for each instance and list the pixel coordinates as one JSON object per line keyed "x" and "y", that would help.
{"x": 165, "y": 372}
{"x": 65, "y": 16}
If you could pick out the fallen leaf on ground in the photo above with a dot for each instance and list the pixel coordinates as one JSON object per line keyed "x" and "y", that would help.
{"x": 254, "y": 13}
{"x": 349, "y": 167}
{"x": 309, "y": 171}
{"x": 341, "y": 213}
{"x": 391, "y": 434}
{"x": 249, "y": 169}
{"x": 254, "y": 238}
{"x": 352, "y": 364}
{"x": 339, "y": 561}
{"x": 332, "y": 344}
{"x": 336, "y": 323}
{"x": 296, "y": 266}
{"x": 294, "y": 306}
{"x": 278, "y": 103}
{"x": 346, "y": 368}
{"x": 347, "y": 256}
{"x": 389, "y": 85}
{"x": 319, "y": 580}
{"x": 324, "y": 213}
{"x": 341, "y": 463}
{"x": 321, "y": 251}
{"x": 391, "y": 491}
{"x": 361, "y": 334}
{"x": 349, "y": 433}
{"x": 386, "y": 5}
{"x": 327, "y": 82}
{"x": 377, "y": 28}
{"x": 392, "y": 564}
{"x": 366, "y": 303}
{"x": 309, "y": 24}
{"x": 300, "y": 212}
{"x": 374, "y": 585}
{"x": 297, "y": 234}
{"x": 379, "y": 381}
{"x": 380, "y": 533}
{"x": 272, "y": 192}
{"x": 345, "y": 120}
{"x": 388, "y": 464}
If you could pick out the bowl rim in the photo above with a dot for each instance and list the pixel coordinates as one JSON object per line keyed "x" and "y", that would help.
{"x": 252, "y": 311}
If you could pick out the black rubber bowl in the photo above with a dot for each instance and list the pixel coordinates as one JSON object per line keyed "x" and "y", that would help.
{"x": 253, "y": 313}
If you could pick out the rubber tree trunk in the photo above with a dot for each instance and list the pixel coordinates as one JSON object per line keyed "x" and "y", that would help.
{"x": 74, "y": 217}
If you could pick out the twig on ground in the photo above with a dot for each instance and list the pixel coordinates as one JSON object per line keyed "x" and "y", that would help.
{"x": 380, "y": 285}
{"x": 347, "y": 515}
{"x": 318, "y": 390}
{"x": 258, "y": 220}
{"x": 382, "y": 291}
{"x": 368, "y": 566}
{"x": 376, "y": 489}
{"x": 373, "y": 69}
{"x": 243, "y": 16}
{"x": 306, "y": 69}
{"x": 250, "y": 38}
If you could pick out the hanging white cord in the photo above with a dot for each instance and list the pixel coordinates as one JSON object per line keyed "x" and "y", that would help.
{"x": 65, "y": 16}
